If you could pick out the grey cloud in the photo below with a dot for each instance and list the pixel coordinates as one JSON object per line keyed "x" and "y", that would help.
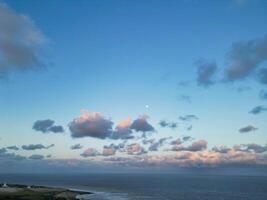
{"x": 258, "y": 110}
{"x": 36, "y": 157}
{"x": 76, "y": 146}
{"x": 244, "y": 57}
{"x": 187, "y": 138}
{"x": 119, "y": 146}
{"x": 247, "y": 129}
{"x": 221, "y": 149}
{"x": 205, "y": 72}
{"x": 43, "y": 125}
{"x": 36, "y": 146}
{"x": 56, "y": 129}
{"x": 263, "y": 95}
{"x": 91, "y": 124}
{"x": 148, "y": 141}
{"x": 141, "y": 125}
{"x": 178, "y": 141}
{"x": 256, "y": 148}
{"x": 13, "y": 148}
{"x": 20, "y": 42}
{"x": 262, "y": 75}
{"x": 189, "y": 128}
{"x": 156, "y": 145}
{"x": 47, "y": 126}
{"x": 9, "y": 157}
{"x": 195, "y": 146}
{"x": 188, "y": 118}
{"x": 164, "y": 123}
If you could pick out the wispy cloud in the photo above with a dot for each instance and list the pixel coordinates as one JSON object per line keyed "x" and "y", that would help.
{"x": 36, "y": 146}
{"x": 244, "y": 57}
{"x": 205, "y": 72}
{"x": 258, "y": 110}
{"x": 20, "y": 42}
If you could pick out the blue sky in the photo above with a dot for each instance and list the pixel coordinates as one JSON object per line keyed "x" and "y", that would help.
{"x": 127, "y": 58}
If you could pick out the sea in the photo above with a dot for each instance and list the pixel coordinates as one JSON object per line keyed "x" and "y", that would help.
{"x": 151, "y": 186}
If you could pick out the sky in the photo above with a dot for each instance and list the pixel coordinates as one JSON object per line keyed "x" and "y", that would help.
{"x": 133, "y": 85}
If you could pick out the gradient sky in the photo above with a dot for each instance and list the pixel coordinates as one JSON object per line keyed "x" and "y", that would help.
{"x": 130, "y": 58}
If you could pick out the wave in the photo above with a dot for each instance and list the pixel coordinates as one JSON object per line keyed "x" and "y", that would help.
{"x": 103, "y": 196}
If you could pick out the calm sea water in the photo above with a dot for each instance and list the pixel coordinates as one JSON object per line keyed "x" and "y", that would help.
{"x": 157, "y": 187}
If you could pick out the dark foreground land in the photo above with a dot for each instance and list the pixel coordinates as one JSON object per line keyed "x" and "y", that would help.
{"x": 22, "y": 192}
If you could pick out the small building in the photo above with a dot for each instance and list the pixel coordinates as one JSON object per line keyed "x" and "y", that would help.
{"x": 4, "y": 185}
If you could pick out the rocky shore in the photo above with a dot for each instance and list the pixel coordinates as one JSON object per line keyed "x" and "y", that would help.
{"x": 24, "y": 192}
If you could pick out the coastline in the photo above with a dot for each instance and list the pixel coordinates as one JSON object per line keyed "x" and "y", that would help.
{"x": 32, "y": 192}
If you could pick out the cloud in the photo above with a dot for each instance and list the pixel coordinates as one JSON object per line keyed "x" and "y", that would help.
{"x": 240, "y": 156}
{"x": 258, "y": 110}
{"x": 195, "y": 146}
{"x": 8, "y": 158}
{"x": 15, "y": 148}
{"x": 36, "y": 157}
{"x": 244, "y": 57}
{"x": 178, "y": 141}
{"x": 183, "y": 83}
{"x": 187, "y": 138}
{"x": 243, "y": 88}
{"x": 141, "y": 125}
{"x": 20, "y": 42}
{"x": 154, "y": 146}
{"x": 263, "y": 95}
{"x": 46, "y": 126}
{"x": 76, "y": 146}
{"x": 256, "y": 148}
{"x": 247, "y": 129}
{"x": 135, "y": 149}
{"x": 91, "y": 124}
{"x": 120, "y": 147}
{"x": 2, "y": 150}
{"x": 56, "y": 129}
{"x": 164, "y": 124}
{"x": 148, "y": 141}
{"x": 205, "y": 72}
{"x": 123, "y": 130}
{"x": 188, "y": 118}
{"x": 262, "y": 75}
{"x": 90, "y": 152}
{"x": 221, "y": 149}
{"x": 184, "y": 98}
{"x": 36, "y": 146}
{"x": 108, "y": 151}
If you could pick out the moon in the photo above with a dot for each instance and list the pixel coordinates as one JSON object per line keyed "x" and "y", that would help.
{"x": 147, "y": 106}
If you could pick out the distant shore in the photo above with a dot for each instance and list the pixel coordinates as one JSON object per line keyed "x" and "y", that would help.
{"x": 33, "y": 192}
